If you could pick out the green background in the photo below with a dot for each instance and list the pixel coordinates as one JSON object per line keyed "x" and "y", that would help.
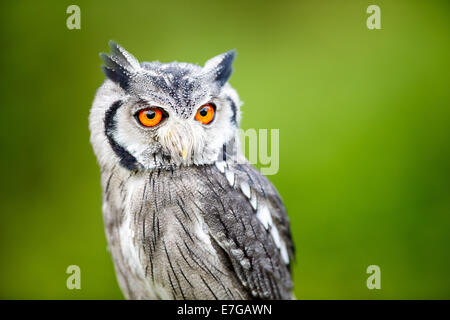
{"x": 364, "y": 119}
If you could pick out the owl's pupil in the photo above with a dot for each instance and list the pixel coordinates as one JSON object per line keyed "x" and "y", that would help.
{"x": 150, "y": 114}
{"x": 203, "y": 112}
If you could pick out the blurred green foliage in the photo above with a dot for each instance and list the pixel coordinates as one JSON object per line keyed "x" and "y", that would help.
{"x": 364, "y": 119}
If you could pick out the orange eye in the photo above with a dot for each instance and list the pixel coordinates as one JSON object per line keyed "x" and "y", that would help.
{"x": 205, "y": 114}
{"x": 150, "y": 117}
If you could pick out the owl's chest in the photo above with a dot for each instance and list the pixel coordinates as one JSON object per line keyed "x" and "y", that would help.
{"x": 156, "y": 235}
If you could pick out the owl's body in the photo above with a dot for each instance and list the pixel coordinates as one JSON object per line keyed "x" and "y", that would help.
{"x": 186, "y": 216}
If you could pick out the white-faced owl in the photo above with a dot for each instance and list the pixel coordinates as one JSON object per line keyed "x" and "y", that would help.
{"x": 186, "y": 215}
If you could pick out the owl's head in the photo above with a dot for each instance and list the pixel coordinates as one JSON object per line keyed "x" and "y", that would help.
{"x": 160, "y": 115}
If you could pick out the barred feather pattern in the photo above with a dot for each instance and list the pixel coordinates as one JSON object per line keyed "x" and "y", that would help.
{"x": 192, "y": 233}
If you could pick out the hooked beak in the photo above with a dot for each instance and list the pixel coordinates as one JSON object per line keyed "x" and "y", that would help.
{"x": 177, "y": 140}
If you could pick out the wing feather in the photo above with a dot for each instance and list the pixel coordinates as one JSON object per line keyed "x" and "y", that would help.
{"x": 260, "y": 253}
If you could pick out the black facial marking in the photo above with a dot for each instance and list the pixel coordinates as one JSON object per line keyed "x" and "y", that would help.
{"x": 234, "y": 109}
{"x": 126, "y": 159}
{"x": 224, "y": 152}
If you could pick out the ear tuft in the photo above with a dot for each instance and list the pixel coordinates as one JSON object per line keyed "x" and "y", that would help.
{"x": 120, "y": 65}
{"x": 221, "y": 67}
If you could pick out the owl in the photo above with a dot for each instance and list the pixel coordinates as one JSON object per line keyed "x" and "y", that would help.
{"x": 186, "y": 215}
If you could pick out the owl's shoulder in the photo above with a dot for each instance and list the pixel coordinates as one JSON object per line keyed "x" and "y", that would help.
{"x": 246, "y": 217}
